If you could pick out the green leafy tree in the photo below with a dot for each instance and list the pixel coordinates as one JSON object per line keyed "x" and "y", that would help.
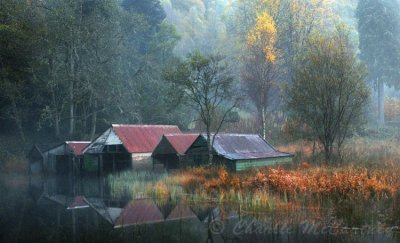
{"x": 207, "y": 83}
{"x": 379, "y": 33}
{"x": 329, "y": 92}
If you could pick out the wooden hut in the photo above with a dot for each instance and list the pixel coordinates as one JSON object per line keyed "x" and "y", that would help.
{"x": 127, "y": 146}
{"x": 170, "y": 151}
{"x": 237, "y": 152}
{"x": 65, "y": 158}
{"x": 37, "y": 157}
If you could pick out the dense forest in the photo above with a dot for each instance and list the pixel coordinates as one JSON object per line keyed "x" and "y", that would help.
{"x": 69, "y": 68}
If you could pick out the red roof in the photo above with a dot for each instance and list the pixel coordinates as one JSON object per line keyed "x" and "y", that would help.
{"x": 181, "y": 211}
{"x": 78, "y": 202}
{"x": 142, "y": 138}
{"x": 181, "y": 142}
{"x": 141, "y": 211}
{"x": 77, "y": 147}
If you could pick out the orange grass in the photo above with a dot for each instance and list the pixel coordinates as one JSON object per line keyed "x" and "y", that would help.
{"x": 350, "y": 182}
{"x": 320, "y": 182}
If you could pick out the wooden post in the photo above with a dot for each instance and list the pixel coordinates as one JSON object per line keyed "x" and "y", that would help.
{"x": 70, "y": 163}
{"x": 73, "y": 226}
{"x": 100, "y": 165}
{"x": 58, "y": 222}
{"x": 113, "y": 162}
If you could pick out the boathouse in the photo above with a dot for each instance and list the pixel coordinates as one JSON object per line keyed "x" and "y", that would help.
{"x": 170, "y": 151}
{"x": 127, "y": 146}
{"x": 237, "y": 152}
{"x": 65, "y": 158}
{"x": 37, "y": 156}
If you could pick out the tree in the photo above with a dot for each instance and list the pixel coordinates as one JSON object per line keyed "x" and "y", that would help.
{"x": 260, "y": 65}
{"x": 329, "y": 93}
{"x": 80, "y": 47}
{"x": 207, "y": 83}
{"x": 379, "y": 34}
{"x": 17, "y": 44}
{"x": 295, "y": 21}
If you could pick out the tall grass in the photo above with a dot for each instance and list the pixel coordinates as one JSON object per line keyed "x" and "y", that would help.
{"x": 370, "y": 177}
{"x": 131, "y": 184}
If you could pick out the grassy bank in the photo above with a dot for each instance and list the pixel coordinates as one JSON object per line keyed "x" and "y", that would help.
{"x": 369, "y": 178}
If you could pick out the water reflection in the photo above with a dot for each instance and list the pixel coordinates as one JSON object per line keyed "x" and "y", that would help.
{"x": 82, "y": 210}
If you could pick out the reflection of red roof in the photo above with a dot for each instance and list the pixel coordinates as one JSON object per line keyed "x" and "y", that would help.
{"x": 141, "y": 211}
{"x": 142, "y": 138}
{"x": 79, "y": 202}
{"x": 77, "y": 147}
{"x": 181, "y": 211}
{"x": 181, "y": 142}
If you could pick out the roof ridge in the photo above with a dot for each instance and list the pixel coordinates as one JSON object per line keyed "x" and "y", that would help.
{"x": 180, "y": 134}
{"x": 141, "y": 125}
{"x": 77, "y": 141}
{"x": 228, "y": 133}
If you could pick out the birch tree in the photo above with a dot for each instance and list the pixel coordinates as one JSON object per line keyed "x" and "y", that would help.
{"x": 260, "y": 65}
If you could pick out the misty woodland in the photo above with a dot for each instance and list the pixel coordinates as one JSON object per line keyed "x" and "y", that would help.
{"x": 121, "y": 119}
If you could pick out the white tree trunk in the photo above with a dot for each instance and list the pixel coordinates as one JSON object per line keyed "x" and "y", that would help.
{"x": 264, "y": 122}
{"x": 381, "y": 103}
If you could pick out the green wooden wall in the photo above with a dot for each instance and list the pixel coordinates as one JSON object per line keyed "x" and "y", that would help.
{"x": 242, "y": 165}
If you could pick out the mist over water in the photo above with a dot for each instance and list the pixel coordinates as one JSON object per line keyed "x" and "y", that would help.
{"x": 317, "y": 82}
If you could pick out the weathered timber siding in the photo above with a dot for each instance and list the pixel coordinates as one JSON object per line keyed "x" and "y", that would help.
{"x": 242, "y": 165}
{"x": 142, "y": 161}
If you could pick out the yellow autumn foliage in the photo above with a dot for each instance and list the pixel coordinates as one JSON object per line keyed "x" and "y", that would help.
{"x": 264, "y": 35}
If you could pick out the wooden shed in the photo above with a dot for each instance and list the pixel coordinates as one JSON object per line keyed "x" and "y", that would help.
{"x": 170, "y": 151}
{"x": 65, "y": 158}
{"x": 127, "y": 146}
{"x": 36, "y": 158}
{"x": 237, "y": 152}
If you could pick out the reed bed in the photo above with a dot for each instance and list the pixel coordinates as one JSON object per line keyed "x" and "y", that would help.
{"x": 131, "y": 184}
{"x": 373, "y": 182}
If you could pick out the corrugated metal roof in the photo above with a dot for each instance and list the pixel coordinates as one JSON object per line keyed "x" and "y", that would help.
{"x": 77, "y": 147}
{"x": 141, "y": 211}
{"x": 181, "y": 142}
{"x": 78, "y": 202}
{"x": 44, "y": 147}
{"x": 244, "y": 146}
{"x": 142, "y": 138}
{"x": 181, "y": 211}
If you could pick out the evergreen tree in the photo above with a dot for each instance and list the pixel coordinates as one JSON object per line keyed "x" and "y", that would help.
{"x": 379, "y": 33}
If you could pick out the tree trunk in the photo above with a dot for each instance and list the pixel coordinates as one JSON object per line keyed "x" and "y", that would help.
{"x": 381, "y": 103}
{"x": 18, "y": 120}
{"x": 56, "y": 114}
{"x": 264, "y": 122}
{"x": 328, "y": 151}
{"x": 94, "y": 121}
{"x": 57, "y": 125}
{"x": 313, "y": 150}
{"x": 71, "y": 110}
{"x": 71, "y": 95}
{"x": 209, "y": 146}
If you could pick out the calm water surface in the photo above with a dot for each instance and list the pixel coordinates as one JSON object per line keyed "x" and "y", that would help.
{"x": 59, "y": 209}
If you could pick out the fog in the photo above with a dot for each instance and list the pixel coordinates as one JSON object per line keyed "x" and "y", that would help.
{"x": 187, "y": 120}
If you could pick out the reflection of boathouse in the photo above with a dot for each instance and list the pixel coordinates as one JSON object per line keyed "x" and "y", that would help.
{"x": 127, "y": 146}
